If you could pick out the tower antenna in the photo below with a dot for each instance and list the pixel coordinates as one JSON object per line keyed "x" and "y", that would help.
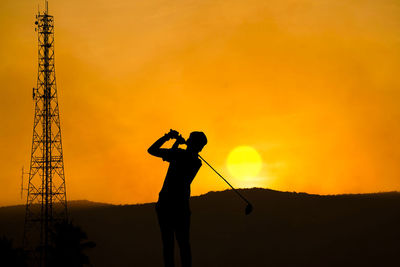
{"x": 46, "y": 201}
{"x": 22, "y": 182}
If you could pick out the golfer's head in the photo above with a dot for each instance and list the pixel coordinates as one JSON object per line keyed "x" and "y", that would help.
{"x": 196, "y": 141}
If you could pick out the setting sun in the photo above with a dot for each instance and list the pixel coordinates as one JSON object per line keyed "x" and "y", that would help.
{"x": 244, "y": 162}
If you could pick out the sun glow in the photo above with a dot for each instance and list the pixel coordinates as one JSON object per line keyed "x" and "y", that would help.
{"x": 244, "y": 163}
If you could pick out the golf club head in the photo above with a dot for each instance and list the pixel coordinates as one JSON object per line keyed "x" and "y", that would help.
{"x": 249, "y": 209}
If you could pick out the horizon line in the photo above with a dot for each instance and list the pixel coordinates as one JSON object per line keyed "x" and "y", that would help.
{"x": 200, "y": 195}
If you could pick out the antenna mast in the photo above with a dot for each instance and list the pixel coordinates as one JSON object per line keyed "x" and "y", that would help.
{"x": 46, "y": 203}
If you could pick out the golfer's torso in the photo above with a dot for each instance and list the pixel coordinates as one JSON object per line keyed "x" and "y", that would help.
{"x": 181, "y": 172}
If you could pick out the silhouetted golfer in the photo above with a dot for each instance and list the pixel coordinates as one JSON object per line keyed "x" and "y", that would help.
{"x": 172, "y": 208}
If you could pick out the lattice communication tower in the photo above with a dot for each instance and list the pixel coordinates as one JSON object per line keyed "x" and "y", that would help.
{"x": 46, "y": 203}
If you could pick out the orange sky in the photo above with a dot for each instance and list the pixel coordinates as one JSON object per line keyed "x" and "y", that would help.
{"x": 312, "y": 85}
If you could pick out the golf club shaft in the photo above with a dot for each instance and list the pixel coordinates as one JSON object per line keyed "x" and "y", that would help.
{"x": 237, "y": 192}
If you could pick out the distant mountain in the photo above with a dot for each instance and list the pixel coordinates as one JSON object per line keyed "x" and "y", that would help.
{"x": 285, "y": 229}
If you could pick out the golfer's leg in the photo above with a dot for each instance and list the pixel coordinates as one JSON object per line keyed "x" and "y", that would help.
{"x": 183, "y": 238}
{"x": 167, "y": 236}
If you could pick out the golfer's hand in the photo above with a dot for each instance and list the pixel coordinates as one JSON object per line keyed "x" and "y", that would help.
{"x": 173, "y": 134}
{"x": 176, "y": 135}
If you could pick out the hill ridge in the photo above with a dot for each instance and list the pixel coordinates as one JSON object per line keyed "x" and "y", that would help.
{"x": 82, "y": 202}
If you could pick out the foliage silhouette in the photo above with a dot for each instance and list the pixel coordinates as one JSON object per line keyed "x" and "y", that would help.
{"x": 69, "y": 246}
{"x": 10, "y": 256}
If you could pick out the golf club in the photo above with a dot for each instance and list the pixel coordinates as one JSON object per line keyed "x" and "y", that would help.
{"x": 181, "y": 140}
{"x": 249, "y": 207}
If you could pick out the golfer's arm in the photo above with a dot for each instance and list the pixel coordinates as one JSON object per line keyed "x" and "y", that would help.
{"x": 175, "y": 145}
{"x": 155, "y": 149}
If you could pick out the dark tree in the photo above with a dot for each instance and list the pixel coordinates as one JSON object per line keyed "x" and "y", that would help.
{"x": 70, "y": 244}
{"x": 10, "y": 256}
